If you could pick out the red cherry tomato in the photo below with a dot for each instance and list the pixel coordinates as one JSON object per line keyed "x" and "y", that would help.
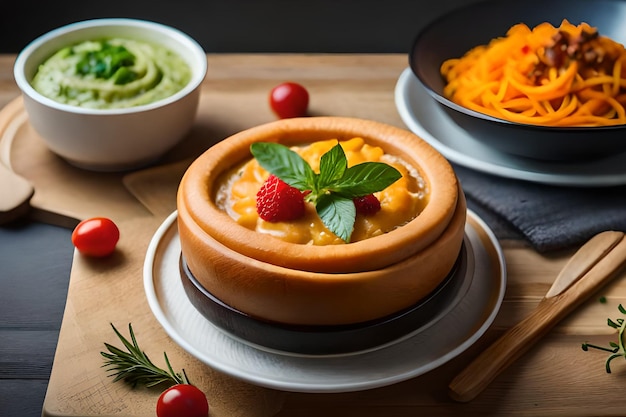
{"x": 96, "y": 236}
{"x": 289, "y": 100}
{"x": 182, "y": 400}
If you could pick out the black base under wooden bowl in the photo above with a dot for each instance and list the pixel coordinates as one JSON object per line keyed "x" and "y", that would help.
{"x": 328, "y": 340}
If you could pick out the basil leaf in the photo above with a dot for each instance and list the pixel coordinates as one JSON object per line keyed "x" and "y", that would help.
{"x": 333, "y": 165}
{"x": 286, "y": 164}
{"x": 338, "y": 214}
{"x": 365, "y": 178}
{"x": 332, "y": 190}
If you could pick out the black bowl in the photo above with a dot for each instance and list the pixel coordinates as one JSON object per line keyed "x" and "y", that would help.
{"x": 329, "y": 340}
{"x": 462, "y": 29}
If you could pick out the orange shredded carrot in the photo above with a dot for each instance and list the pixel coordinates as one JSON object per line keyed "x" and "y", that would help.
{"x": 553, "y": 76}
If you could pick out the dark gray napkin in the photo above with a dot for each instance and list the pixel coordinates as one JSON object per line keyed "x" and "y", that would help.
{"x": 549, "y": 217}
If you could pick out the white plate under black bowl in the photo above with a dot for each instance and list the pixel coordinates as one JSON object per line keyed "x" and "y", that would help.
{"x": 426, "y": 118}
{"x": 395, "y": 362}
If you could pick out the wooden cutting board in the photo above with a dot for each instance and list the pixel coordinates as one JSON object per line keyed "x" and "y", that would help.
{"x": 111, "y": 291}
{"x": 555, "y": 378}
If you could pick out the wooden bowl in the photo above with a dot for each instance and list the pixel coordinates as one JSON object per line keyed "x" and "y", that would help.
{"x": 274, "y": 280}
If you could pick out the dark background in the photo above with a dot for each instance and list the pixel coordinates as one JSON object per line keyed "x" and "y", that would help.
{"x": 381, "y": 26}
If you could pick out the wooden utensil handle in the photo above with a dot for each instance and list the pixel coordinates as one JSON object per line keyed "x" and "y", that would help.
{"x": 521, "y": 337}
{"x": 16, "y": 194}
{"x": 502, "y": 353}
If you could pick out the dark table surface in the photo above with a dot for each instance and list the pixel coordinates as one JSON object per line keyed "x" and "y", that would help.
{"x": 35, "y": 263}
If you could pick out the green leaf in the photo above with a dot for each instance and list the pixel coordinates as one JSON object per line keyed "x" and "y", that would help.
{"x": 338, "y": 214}
{"x": 286, "y": 164}
{"x": 333, "y": 165}
{"x": 106, "y": 62}
{"x": 366, "y": 178}
{"x": 617, "y": 349}
{"x": 124, "y": 76}
{"x": 334, "y": 188}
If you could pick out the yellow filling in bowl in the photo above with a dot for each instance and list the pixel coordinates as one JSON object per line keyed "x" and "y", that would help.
{"x": 400, "y": 202}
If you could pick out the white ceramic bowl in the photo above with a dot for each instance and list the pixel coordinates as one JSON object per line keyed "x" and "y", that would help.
{"x": 111, "y": 139}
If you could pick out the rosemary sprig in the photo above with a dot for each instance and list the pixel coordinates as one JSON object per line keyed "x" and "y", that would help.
{"x": 135, "y": 368}
{"x": 616, "y": 349}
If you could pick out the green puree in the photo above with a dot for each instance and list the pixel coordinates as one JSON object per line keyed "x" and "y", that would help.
{"x": 111, "y": 73}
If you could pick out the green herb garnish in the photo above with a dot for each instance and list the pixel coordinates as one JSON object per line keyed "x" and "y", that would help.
{"x": 616, "y": 349}
{"x": 332, "y": 189}
{"x": 135, "y": 368}
{"x": 109, "y": 62}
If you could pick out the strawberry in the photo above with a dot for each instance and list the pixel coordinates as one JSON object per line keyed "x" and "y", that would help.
{"x": 277, "y": 201}
{"x": 367, "y": 205}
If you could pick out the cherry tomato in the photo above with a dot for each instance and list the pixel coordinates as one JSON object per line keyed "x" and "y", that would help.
{"x": 96, "y": 236}
{"x": 182, "y": 400}
{"x": 289, "y": 100}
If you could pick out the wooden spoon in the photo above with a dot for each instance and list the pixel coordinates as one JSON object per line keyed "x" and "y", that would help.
{"x": 592, "y": 266}
{"x": 16, "y": 191}
{"x": 15, "y": 203}
{"x": 16, "y": 195}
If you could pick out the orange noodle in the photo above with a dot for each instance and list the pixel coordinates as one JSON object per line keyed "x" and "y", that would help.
{"x": 565, "y": 76}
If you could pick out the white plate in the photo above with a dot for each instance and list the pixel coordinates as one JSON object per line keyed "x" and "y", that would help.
{"x": 425, "y": 117}
{"x": 410, "y": 357}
